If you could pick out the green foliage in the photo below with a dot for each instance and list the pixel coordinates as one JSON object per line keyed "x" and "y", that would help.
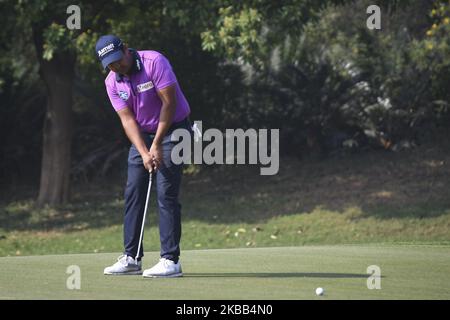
{"x": 248, "y": 31}
{"x": 236, "y": 33}
{"x": 57, "y": 39}
{"x": 432, "y": 55}
{"x": 309, "y": 67}
{"x": 84, "y": 45}
{"x": 342, "y": 84}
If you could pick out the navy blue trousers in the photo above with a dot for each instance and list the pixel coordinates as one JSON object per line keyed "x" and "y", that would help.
{"x": 166, "y": 181}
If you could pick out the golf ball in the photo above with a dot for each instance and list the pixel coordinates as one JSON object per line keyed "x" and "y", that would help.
{"x": 319, "y": 291}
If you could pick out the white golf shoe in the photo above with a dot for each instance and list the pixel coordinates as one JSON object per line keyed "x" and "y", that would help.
{"x": 124, "y": 265}
{"x": 164, "y": 269}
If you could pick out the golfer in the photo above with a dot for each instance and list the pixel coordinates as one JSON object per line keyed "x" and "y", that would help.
{"x": 144, "y": 92}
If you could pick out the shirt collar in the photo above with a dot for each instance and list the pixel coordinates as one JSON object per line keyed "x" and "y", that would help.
{"x": 136, "y": 67}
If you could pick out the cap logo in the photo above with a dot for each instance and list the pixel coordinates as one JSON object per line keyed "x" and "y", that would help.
{"x": 105, "y": 50}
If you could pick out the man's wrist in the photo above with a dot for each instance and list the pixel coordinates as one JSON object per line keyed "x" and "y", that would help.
{"x": 143, "y": 155}
{"x": 143, "y": 151}
{"x": 156, "y": 143}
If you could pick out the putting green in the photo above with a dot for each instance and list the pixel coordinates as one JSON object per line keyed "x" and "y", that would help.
{"x": 407, "y": 272}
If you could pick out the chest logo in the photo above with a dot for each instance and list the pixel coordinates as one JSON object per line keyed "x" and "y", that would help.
{"x": 144, "y": 86}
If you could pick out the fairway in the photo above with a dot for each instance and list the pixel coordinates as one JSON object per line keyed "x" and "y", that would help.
{"x": 407, "y": 272}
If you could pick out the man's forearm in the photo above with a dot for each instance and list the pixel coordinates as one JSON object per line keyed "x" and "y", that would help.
{"x": 134, "y": 135}
{"x": 165, "y": 121}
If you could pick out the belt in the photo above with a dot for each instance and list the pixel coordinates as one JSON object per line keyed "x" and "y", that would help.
{"x": 173, "y": 126}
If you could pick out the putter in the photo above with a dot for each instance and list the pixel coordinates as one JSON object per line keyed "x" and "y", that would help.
{"x": 145, "y": 213}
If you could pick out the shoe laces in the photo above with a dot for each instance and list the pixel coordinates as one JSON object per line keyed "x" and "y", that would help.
{"x": 123, "y": 259}
{"x": 165, "y": 261}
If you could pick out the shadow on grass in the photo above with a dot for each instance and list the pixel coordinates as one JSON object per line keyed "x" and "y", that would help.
{"x": 274, "y": 275}
{"x": 75, "y": 217}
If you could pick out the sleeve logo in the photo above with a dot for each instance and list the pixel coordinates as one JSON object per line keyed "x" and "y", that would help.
{"x": 123, "y": 95}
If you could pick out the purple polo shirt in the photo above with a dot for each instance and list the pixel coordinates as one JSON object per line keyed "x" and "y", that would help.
{"x": 151, "y": 72}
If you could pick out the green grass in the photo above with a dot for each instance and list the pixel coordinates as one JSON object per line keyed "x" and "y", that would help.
{"x": 360, "y": 199}
{"x": 316, "y": 223}
{"x": 318, "y": 227}
{"x": 407, "y": 272}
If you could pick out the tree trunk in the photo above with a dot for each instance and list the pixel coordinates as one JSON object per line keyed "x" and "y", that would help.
{"x": 57, "y": 74}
